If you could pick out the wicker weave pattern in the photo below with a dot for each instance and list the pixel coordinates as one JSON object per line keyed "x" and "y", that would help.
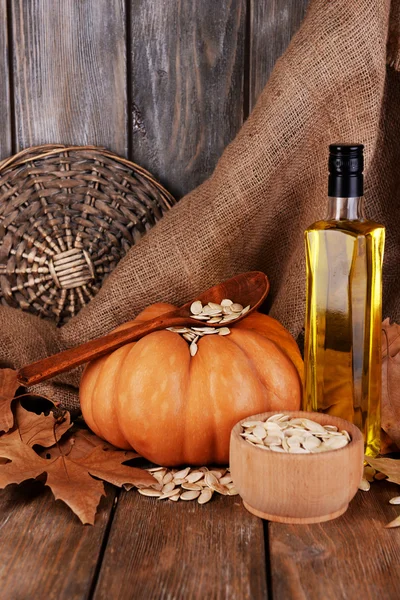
{"x": 67, "y": 216}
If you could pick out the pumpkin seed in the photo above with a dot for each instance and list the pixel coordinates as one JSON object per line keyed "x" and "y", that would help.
{"x": 313, "y": 426}
{"x": 196, "y": 308}
{"x": 219, "y": 488}
{"x": 310, "y": 443}
{"x": 167, "y": 478}
{"x": 215, "y": 306}
{"x": 226, "y": 302}
{"x": 168, "y": 494}
{"x": 395, "y": 500}
{"x": 224, "y": 331}
{"x": 194, "y": 476}
{"x": 149, "y": 492}
{"x": 248, "y": 424}
{"x": 364, "y": 485}
{"x": 277, "y": 449}
{"x": 190, "y": 495}
{"x": 168, "y": 487}
{"x": 193, "y": 349}
{"x": 182, "y": 473}
{"x": 226, "y": 479}
{"x": 276, "y": 417}
{"x": 259, "y": 432}
{"x": 217, "y": 474}
{"x": 180, "y": 480}
{"x": 191, "y": 486}
{"x": 210, "y": 479}
{"x": 205, "y": 496}
{"x": 236, "y": 308}
{"x": 228, "y": 318}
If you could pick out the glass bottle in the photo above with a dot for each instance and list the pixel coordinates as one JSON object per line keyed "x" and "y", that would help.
{"x": 344, "y": 256}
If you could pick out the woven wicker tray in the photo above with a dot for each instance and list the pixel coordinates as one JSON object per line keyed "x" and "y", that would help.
{"x": 68, "y": 214}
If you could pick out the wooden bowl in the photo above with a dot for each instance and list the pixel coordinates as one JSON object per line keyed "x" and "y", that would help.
{"x": 297, "y": 488}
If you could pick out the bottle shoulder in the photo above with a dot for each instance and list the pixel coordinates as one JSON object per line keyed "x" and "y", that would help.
{"x": 362, "y": 227}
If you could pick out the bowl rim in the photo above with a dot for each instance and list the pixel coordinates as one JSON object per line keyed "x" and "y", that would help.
{"x": 356, "y": 435}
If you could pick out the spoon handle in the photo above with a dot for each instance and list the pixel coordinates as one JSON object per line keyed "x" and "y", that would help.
{"x": 68, "y": 359}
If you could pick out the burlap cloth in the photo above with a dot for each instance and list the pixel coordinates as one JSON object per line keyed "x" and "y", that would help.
{"x": 332, "y": 84}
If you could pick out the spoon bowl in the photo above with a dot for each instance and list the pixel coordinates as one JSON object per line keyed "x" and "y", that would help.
{"x": 247, "y": 289}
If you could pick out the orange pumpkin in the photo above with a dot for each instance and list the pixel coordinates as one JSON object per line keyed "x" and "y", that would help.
{"x": 174, "y": 409}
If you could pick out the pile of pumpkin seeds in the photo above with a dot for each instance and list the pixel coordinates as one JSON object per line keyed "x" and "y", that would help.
{"x": 189, "y": 484}
{"x": 280, "y": 433}
{"x": 211, "y": 313}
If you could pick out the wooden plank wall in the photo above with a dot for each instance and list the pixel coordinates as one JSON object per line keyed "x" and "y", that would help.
{"x": 167, "y": 83}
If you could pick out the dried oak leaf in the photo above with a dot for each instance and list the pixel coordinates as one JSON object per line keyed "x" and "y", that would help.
{"x": 390, "y": 419}
{"x": 70, "y": 476}
{"x": 391, "y": 468}
{"x": 388, "y": 466}
{"x": 8, "y": 387}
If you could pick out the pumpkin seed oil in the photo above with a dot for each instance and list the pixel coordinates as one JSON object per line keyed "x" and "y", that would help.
{"x": 343, "y": 308}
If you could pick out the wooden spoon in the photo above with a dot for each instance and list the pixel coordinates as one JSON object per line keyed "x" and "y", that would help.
{"x": 246, "y": 289}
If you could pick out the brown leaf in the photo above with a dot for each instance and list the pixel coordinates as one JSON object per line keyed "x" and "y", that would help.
{"x": 69, "y": 476}
{"x": 388, "y": 466}
{"x": 71, "y": 483}
{"x": 390, "y": 419}
{"x": 41, "y": 430}
{"x": 8, "y": 387}
{"x": 106, "y": 464}
{"x": 81, "y": 442}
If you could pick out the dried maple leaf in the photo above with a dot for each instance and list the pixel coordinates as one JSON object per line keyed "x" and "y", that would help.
{"x": 70, "y": 476}
{"x": 41, "y": 430}
{"x": 391, "y": 381}
{"x": 8, "y": 387}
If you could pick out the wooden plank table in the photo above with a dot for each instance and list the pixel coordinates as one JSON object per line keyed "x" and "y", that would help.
{"x": 140, "y": 548}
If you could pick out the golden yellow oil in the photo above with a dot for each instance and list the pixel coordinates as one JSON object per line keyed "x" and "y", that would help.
{"x": 343, "y": 323}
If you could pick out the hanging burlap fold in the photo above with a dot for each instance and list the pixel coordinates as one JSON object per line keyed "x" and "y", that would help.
{"x": 332, "y": 84}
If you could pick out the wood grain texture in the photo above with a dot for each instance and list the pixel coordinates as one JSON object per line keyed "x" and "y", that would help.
{"x": 5, "y": 102}
{"x": 45, "y": 551}
{"x": 187, "y": 73}
{"x": 272, "y": 25}
{"x": 351, "y": 557}
{"x": 70, "y": 72}
{"x": 163, "y": 549}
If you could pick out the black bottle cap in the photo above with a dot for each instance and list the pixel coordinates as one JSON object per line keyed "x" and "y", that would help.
{"x": 346, "y": 165}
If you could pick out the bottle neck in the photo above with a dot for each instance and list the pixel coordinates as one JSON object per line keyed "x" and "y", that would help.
{"x": 345, "y": 209}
